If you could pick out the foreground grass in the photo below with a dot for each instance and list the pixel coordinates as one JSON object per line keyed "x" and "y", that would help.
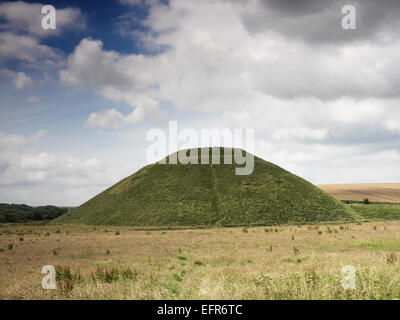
{"x": 292, "y": 262}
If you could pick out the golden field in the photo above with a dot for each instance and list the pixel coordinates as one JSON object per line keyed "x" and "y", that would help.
{"x": 375, "y": 192}
{"x": 287, "y": 262}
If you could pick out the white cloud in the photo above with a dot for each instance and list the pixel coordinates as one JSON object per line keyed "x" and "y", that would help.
{"x": 21, "y": 80}
{"x": 320, "y": 108}
{"x": 110, "y": 118}
{"x": 21, "y": 32}
{"x": 33, "y": 99}
{"x": 121, "y": 79}
{"x": 25, "y": 48}
{"x": 28, "y": 175}
{"x": 26, "y": 17}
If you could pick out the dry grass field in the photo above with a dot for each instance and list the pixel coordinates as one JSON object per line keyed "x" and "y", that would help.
{"x": 376, "y": 192}
{"x": 290, "y": 262}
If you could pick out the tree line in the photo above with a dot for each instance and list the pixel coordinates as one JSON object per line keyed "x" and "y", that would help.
{"x": 25, "y": 213}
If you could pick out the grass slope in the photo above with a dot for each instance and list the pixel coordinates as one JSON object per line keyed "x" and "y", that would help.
{"x": 377, "y": 210}
{"x": 199, "y": 195}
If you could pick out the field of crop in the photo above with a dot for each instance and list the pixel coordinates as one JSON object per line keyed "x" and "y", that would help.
{"x": 283, "y": 262}
{"x": 380, "y": 192}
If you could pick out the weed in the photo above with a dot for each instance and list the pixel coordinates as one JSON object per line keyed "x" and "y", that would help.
{"x": 198, "y": 263}
{"x": 391, "y": 258}
{"x": 109, "y": 275}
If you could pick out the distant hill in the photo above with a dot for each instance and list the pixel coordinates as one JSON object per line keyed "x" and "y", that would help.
{"x": 375, "y": 192}
{"x": 209, "y": 194}
{"x": 24, "y": 213}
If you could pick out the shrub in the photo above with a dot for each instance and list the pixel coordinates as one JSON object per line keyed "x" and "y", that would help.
{"x": 117, "y": 233}
{"x": 245, "y": 230}
{"x": 10, "y": 246}
{"x": 366, "y": 201}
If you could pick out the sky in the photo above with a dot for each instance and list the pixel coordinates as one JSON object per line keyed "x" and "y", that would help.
{"x": 76, "y": 102}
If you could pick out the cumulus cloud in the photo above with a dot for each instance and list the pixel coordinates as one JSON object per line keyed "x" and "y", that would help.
{"x": 27, "y": 49}
{"x": 110, "y": 118}
{"x": 318, "y": 21}
{"x": 30, "y": 175}
{"x": 21, "y": 32}
{"x": 23, "y": 17}
{"x": 320, "y": 97}
{"x": 33, "y": 99}
{"x": 120, "y": 78}
{"x": 20, "y": 79}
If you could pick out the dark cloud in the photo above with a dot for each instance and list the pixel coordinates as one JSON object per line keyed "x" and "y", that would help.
{"x": 319, "y": 21}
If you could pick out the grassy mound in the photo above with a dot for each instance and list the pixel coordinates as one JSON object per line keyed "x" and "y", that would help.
{"x": 209, "y": 194}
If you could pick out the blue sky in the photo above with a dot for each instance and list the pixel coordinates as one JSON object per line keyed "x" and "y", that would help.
{"x": 77, "y": 102}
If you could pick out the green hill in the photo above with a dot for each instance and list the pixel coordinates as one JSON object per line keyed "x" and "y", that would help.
{"x": 209, "y": 194}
